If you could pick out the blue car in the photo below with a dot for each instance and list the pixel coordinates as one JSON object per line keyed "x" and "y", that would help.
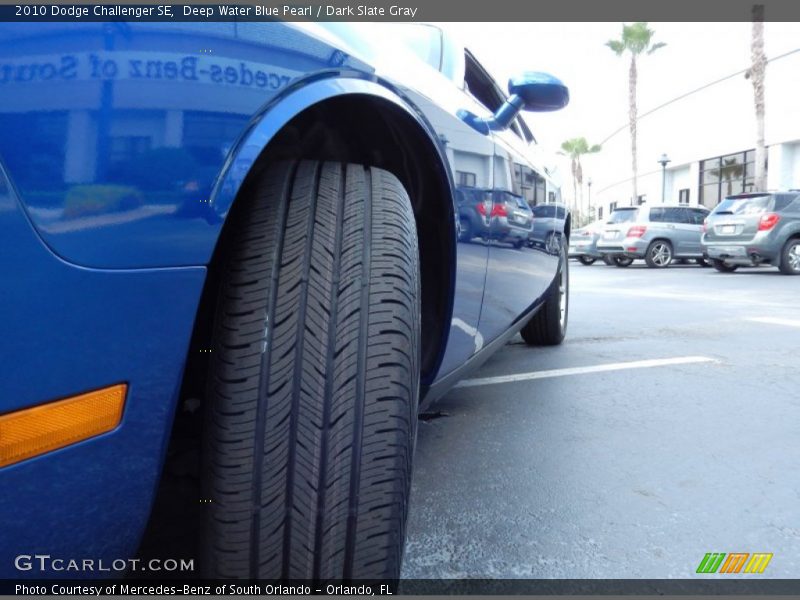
{"x": 247, "y": 232}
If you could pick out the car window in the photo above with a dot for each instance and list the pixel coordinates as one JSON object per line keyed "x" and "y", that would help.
{"x": 423, "y": 40}
{"x": 697, "y": 216}
{"x": 526, "y": 132}
{"x": 485, "y": 90}
{"x": 675, "y": 215}
{"x": 561, "y": 212}
{"x": 782, "y": 201}
{"x": 624, "y": 215}
{"x": 657, "y": 215}
{"x": 544, "y": 211}
{"x": 751, "y": 205}
{"x": 480, "y": 84}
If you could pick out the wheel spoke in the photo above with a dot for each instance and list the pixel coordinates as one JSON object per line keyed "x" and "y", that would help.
{"x": 794, "y": 257}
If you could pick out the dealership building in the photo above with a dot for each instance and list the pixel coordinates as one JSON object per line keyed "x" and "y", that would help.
{"x": 708, "y": 137}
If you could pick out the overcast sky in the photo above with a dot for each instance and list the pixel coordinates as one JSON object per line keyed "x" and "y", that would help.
{"x": 696, "y": 54}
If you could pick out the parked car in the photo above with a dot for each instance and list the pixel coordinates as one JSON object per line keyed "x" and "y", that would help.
{"x": 583, "y": 243}
{"x": 755, "y": 229}
{"x": 511, "y": 219}
{"x": 548, "y": 222}
{"x": 658, "y": 234}
{"x": 474, "y": 210}
{"x": 493, "y": 214}
{"x": 289, "y": 332}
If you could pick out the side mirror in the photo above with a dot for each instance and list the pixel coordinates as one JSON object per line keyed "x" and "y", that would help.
{"x": 531, "y": 91}
{"x": 540, "y": 92}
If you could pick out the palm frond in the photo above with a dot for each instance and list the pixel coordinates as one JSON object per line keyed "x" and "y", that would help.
{"x": 617, "y": 46}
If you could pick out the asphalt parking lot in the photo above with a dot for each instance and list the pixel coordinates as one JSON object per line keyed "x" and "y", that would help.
{"x": 624, "y": 472}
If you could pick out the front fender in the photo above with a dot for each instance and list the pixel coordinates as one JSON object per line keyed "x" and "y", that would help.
{"x": 300, "y": 97}
{"x": 126, "y": 146}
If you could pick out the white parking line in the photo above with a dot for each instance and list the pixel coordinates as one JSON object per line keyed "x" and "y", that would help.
{"x": 635, "y": 364}
{"x": 774, "y": 321}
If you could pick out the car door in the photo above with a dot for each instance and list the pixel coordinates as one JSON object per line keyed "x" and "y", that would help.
{"x": 445, "y": 102}
{"x": 686, "y": 231}
{"x": 517, "y": 274}
{"x": 697, "y": 217}
{"x": 516, "y": 278}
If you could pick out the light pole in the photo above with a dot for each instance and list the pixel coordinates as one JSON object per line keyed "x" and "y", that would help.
{"x": 663, "y": 161}
{"x": 589, "y": 184}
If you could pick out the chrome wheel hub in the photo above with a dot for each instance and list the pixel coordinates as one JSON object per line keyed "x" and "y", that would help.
{"x": 794, "y": 257}
{"x": 661, "y": 255}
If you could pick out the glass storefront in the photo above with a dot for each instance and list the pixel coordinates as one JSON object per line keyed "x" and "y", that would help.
{"x": 726, "y": 175}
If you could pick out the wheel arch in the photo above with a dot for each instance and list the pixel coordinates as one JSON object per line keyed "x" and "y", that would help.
{"x": 357, "y": 121}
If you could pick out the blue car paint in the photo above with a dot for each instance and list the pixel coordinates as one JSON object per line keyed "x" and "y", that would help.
{"x": 68, "y": 329}
{"x": 107, "y": 292}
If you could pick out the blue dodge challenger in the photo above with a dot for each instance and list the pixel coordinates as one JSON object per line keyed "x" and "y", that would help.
{"x": 259, "y": 228}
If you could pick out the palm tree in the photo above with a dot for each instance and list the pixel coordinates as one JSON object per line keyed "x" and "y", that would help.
{"x": 575, "y": 148}
{"x": 757, "y": 73}
{"x": 730, "y": 170}
{"x": 636, "y": 39}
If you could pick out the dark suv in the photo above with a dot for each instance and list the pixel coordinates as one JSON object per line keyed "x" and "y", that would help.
{"x": 493, "y": 214}
{"x": 755, "y": 229}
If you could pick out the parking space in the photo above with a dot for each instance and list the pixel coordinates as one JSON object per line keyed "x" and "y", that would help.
{"x": 608, "y": 467}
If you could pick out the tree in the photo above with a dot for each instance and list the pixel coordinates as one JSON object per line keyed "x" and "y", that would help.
{"x": 729, "y": 171}
{"x": 636, "y": 39}
{"x": 757, "y": 73}
{"x": 575, "y": 148}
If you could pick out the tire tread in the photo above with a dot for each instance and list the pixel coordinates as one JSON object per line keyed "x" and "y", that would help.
{"x": 314, "y": 379}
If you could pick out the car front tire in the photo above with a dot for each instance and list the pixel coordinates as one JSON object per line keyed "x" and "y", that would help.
{"x": 548, "y": 327}
{"x": 311, "y": 411}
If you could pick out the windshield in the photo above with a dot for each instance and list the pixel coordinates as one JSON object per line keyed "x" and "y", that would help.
{"x": 625, "y": 215}
{"x": 753, "y": 205}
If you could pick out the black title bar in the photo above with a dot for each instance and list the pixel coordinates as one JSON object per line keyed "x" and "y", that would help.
{"x": 422, "y": 587}
{"x": 407, "y": 11}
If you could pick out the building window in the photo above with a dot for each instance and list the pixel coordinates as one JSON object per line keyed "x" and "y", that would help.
{"x": 466, "y": 179}
{"x": 725, "y": 176}
{"x": 599, "y": 212}
{"x": 683, "y": 196}
{"x": 612, "y": 207}
{"x": 641, "y": 199}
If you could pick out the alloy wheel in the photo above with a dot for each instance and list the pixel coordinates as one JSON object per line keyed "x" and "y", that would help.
{"x": 661, "y": 254}
{"x": 793, "y": 256}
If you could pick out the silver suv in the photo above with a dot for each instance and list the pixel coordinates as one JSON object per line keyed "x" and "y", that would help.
{"x": 755, "y": 229}
{"x": 658, "y": 234}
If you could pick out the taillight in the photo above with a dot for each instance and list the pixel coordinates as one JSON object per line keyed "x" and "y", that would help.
{"x": 768, "y": 221}
{"x": 705, "y": 225}
{"x": 636, "y": 231}
{"x": 499, "y": 210}
{"x": 482, "y": 209}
